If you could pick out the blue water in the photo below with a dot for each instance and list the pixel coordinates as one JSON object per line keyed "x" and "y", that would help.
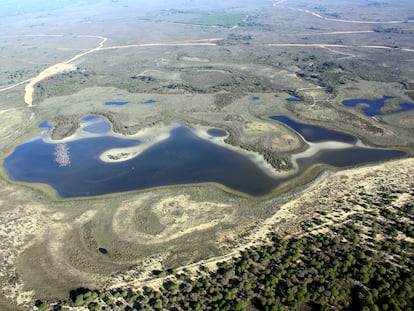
{"x": 406, "y": 107}
{"x": 255, "y": 98}
{"x": 293, "y": 100}
{"x": 375, "y": 105}
{"x": 314, "y": 133}
{"x": 91, "y": 117}
{"x": 96, "y": 124}
{"x": 150, "y": 101}
{"x": 116, "y": 103}
{"x": 181, "y": 159}
{"x": 101, "y": 127}
{"x": 350, "y": 156}
{"x": 216, "y": 132}
{"x": 46, "y": 125}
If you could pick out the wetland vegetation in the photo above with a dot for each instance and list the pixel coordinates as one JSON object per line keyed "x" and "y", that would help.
{"x": 362, "y": 262}
{"x": 339, "y": 236}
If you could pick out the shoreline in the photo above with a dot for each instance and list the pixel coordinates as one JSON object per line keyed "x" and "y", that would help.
{"x": 152, "y": 135}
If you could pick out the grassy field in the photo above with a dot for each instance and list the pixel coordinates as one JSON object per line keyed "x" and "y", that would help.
{"x": 219, "y": 19}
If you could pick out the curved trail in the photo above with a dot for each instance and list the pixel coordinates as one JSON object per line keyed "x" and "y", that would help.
{"x": 350, "y": 20}
{"x": 282, "y": 2}
{"x": 67, "y": 65}
{"x": 323, "y": 45}
{"x": 350, "y": 32}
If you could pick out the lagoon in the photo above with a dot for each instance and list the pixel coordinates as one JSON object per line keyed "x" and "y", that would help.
{"x": 74, "y": 167}
{"x": 183, "y": 158}
{"x": 375, "y": 105}
{"x": 314, "y": 133}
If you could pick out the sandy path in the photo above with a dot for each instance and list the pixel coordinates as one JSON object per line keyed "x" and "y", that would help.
{"x": 68, "y": 66}
{"x": 48, "y": 72}
{"x": 57, "y": 68}
{"x": 348, "y": 32}
{"x": 350, "y": 20}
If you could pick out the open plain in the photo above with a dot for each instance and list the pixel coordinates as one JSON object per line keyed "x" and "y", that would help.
{"x": 227, "y": 65}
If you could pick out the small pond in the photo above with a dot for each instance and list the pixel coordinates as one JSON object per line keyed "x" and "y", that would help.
{"x": 45, "y": 125}
{"x": 150, "y": 101}
{"x": 116, "y": 103}
{"x": 293, "y": 100}
{"x": 216, "y": 132}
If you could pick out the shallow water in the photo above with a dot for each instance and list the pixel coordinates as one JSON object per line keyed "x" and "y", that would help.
{"x": 116, "y": 103}
{"x": 375, "y": 105}
{"x": 150, "y": 101}
{"x": 74, "y": 168}
{"x": 314, "y": 133}
{"x": 216, "y": 132}
{"x": 45, "y": 125}
{"x": 293, "y": 100}
{"x": 181, "y": 159}
{"x": 98, "y": 128}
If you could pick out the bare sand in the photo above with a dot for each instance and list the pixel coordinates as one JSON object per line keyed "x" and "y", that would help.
{"x": 68, "y": 66}
{"x": 178, "y": 214}
{"x": 148, "y": 136}
{"x": 48, "y": 72}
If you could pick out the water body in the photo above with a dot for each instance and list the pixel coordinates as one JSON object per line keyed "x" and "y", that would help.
{"x": 45, "y": 125}
{"x": 95, "y": 124}
{"x": 314, "y": 133}
{"x": 150, "y": 101}
{"x": 116, "y": 103}
{"x": 91, "y": 117}
{"x": 98, "y": 128}
{"x": 323, "y": 140}
{"x": 216, "y": 132}
{"x": 349, "y": 156}
{"x": 293, "y": 100}
{"x": 375, "y": 105}
{"x": 182, "y": 158}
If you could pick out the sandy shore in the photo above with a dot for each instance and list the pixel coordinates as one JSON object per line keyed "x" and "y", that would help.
{"x": 314, "y": 148}
{"x": 149, "y": 137}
